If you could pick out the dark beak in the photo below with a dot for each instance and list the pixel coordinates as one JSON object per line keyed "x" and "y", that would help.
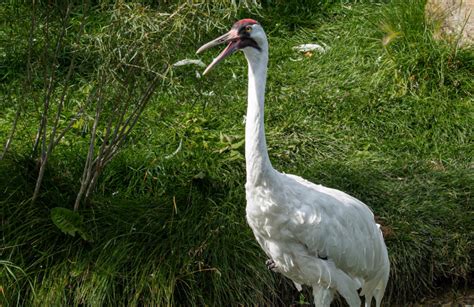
{"x": 231, "y": 37}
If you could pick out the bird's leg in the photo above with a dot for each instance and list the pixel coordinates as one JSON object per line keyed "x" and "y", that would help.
{"x": 271, "y": 265}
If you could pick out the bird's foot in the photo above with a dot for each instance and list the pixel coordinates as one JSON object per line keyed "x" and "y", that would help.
{"x": 271, "y": 265}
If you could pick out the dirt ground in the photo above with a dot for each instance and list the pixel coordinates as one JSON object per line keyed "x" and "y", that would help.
{"x": 449, "y": 299}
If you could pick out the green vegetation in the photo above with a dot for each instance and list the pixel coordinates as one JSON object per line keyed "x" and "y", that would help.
{"x": 386, "y": 114}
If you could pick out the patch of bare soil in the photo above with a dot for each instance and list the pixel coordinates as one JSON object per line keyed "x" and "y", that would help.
{"x": 449, "y": 299}
{"x": 456, "y": 18}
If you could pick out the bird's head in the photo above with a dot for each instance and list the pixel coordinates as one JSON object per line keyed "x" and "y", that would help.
{"x": 246, "y": 35}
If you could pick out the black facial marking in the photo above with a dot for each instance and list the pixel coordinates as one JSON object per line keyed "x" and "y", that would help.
{"x": 245, "y": 39}
{"x": 248, "y": 42}
{"x": 243, "y": 31}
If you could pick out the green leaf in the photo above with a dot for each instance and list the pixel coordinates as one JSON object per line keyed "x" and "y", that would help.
{"x": 200, "y": 175}
{"x": 234, "y": 155}
{"x": 238, "y": 144}
{"x": 69, "y": 222}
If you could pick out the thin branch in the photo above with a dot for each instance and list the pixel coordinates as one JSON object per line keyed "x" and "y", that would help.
{"x": 75, "y": 118}
{"x": 45, "y": 52}
{"x": 30, "y": 44}
{"x": 52, "y": 140}
{"x": 86, "y": 175}
{"x": 46, "y": 150}
{"x": 111, "y": 150}
{"x": 12, "y": 133}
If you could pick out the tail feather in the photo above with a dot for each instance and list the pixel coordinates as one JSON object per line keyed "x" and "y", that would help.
{"x": 375, "y": 288}
{"x": 322, "y": 296}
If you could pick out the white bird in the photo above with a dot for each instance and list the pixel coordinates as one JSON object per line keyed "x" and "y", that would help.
{"x": 314, "y": 235}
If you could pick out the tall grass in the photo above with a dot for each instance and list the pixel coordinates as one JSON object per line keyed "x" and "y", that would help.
{"x": 384, "y": 115}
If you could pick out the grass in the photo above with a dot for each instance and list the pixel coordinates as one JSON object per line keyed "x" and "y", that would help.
{"x": 385, "y": 115}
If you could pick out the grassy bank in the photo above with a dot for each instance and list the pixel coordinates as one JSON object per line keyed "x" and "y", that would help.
{"x": 384, "y": 114}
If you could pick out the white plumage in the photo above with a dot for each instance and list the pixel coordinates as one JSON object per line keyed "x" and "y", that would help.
{"x": 312, "y": 234}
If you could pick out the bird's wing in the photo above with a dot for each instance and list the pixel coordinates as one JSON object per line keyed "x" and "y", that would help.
{"x": 334, "y": 225}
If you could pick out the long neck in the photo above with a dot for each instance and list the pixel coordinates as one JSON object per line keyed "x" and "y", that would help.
{"x": 256, "y": 155}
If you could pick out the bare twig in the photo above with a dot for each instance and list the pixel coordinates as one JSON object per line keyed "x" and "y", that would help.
{"x": 47, "y": 150}
{"x": 49, "y": 80}
{"x": 75, "y": 118}
{"x": 12, "y": 133}
{"x": 86, "y": 175}
{"x": 109, "y": 151}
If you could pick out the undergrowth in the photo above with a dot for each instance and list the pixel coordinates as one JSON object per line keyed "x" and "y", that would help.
{"x": 385, "y": 114}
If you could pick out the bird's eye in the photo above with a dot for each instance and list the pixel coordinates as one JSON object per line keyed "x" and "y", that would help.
{"x": 248, "y": 29}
